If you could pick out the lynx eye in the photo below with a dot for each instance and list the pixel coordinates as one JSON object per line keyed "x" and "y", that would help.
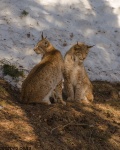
{"x": 46, "y": 43}
{"x": 77, "y": 48}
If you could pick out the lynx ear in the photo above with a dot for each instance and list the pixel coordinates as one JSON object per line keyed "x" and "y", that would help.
{"x": 77, "y": 43}
{"x": 42, "y": 37}
{"x": 90, "y": 46}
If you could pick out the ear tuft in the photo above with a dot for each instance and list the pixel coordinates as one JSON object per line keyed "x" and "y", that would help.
{"x": 42, "y": 37}
{"x": 88, "y": 46}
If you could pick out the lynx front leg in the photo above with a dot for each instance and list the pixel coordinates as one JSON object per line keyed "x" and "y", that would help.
{"x": 68, "y": 89}
{"x": 80, "y": 93}
{"x": 58, "y": 93}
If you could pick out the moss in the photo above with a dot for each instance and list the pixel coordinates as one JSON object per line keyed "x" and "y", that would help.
{"x": 24, "y": 13}
{"x": 12, "y": 71}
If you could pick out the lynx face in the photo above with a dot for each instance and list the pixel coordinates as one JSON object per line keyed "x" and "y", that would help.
{"x": 80, "y": 52}
{"x": 42, "y": 46}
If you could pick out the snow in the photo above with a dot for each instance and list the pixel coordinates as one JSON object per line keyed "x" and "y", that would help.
{"x": 62, "y": 21}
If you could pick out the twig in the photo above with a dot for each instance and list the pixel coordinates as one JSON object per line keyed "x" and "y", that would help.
{"x": 67, "y": 124}
{"x": 90, "y": 138}
{"x": 55, "y": 128}
{"x": 61, "y": 126}
{"x": 70, "y": 123}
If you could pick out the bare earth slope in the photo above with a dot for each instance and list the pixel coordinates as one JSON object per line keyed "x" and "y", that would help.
{"x": 57, "y": 127}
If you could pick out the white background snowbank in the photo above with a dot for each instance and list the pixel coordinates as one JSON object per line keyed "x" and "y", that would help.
{"x": 63, "y": 21}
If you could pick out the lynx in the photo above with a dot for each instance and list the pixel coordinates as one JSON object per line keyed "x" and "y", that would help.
{"x": 77, "y": 86}
{"x": 46, "y": 77}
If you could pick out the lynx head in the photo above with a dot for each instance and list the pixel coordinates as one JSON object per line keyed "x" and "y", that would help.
{"x": 43, "y": 46}
{"x": 80, "y": 51}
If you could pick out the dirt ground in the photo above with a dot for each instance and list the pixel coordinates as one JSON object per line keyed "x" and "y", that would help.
{"x": 75, "y": 126}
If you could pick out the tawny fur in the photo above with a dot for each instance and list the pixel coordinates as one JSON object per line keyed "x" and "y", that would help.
{"x": 77, "y": 85}
{"x": 45, "y": 77}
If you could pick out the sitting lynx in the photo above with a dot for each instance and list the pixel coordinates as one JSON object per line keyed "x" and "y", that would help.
{"x": 77, "y": 85}
{"x": 45, "y": 77}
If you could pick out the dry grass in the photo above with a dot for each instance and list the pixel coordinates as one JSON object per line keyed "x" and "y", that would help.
{"x": 56, "y": 127}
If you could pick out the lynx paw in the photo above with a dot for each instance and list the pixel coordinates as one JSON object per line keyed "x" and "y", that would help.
{"x": 47, "y": 102}
{"x": 63, "y": 102}
{"x": 90, "y": 97}
{"x": 70, "y": 99}
{"x": 84, "y": 101}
